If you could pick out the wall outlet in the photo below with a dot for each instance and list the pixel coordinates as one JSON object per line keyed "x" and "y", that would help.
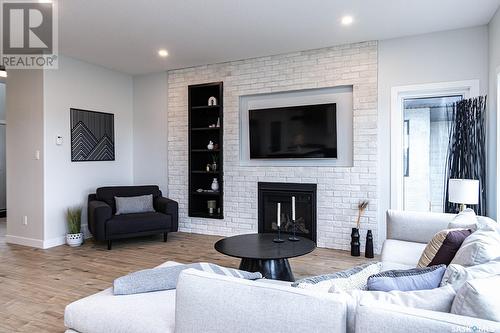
{"x": 25, "y": 220}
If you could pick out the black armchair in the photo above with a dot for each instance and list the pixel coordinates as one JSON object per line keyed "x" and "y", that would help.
{"x": 106, "y": 226}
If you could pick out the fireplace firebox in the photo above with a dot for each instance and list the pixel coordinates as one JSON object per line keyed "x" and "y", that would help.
{"x": 269, "y": 194}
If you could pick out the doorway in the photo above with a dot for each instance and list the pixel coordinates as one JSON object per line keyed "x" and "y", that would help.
{"x": 419, "y": 142}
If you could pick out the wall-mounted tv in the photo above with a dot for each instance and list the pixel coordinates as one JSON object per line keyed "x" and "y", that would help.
{"x": 294, "y": 132}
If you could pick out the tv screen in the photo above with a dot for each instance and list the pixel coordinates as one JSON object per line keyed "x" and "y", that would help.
{"x": 308, "y": 131}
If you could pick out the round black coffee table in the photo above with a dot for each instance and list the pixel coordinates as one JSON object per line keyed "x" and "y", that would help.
{"x": 259, "y": 253}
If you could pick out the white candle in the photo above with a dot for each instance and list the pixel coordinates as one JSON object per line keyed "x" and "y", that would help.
{"x": 293, "y": 208}
{"x": 279, "y": 214}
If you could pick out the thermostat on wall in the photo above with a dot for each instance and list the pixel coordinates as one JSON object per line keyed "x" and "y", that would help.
{"x": 59, "y": 140}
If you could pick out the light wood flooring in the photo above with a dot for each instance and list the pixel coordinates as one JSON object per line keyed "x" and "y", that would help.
{"x": 36, "y": 285}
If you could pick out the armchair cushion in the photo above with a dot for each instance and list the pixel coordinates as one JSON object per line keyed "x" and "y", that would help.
{"x": 140, "y": 222}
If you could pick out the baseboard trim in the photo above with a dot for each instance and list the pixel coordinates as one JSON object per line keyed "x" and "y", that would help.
{"x": 43, "y": 244}
{"x": 54, "y": 242}
{"x": 61, "y": 240}
{"x": 25, "y": 241}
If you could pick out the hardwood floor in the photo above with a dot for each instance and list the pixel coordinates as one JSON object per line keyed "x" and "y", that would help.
{"x": 36, "y": 285}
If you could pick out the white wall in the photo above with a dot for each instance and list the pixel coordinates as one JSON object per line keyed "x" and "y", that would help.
{"x": 439, "y": 57}
{"x": 339, "y": 188}
{"x": 24, "y": 104}
{"x": 150, "y": 130}
{"x": 81, "y": 85}
{"x": 494, "y": 47}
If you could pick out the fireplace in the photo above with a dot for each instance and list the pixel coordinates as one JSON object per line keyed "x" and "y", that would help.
{"x": 305, "y": 208}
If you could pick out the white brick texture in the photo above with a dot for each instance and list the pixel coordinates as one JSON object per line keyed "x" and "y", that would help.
{"x": 339, "y": 188}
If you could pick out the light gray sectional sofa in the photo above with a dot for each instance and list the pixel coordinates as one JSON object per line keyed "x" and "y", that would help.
{"x": 204, "y": 302}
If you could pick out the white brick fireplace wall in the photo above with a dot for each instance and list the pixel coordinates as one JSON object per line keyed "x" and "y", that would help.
{"x": 339, "y": 188}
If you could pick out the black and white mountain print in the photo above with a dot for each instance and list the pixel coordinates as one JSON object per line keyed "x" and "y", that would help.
{"x": 92, "y": 136}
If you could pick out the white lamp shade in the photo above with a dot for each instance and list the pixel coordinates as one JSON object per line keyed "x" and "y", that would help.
{"x": 463, "y": 191}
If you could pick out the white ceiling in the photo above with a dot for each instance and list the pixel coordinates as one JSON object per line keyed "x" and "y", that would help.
{"x": 126, "y": 34}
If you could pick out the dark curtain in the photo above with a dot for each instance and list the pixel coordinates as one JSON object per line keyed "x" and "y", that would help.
{"x": 466, "y": 157}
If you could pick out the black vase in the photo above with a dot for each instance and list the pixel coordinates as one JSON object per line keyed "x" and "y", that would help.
{"x": 355, "y": 242}
{"x": 369, "y": 245}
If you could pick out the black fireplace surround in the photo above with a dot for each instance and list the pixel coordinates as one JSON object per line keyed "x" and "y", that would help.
{"x": 269, "y": 194}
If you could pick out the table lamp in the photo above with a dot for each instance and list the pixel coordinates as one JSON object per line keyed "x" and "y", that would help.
{"x": 463, "y": 192}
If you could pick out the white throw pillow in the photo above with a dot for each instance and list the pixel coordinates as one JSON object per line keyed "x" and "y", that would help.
{"x": 457, "y": 275}
{"x": 480, "y": 247}
{"x": 344, "y": 281}
{"x": 356, "y": 281}
{"x": 466, "y": 219}
{"x": 479, "y": 298}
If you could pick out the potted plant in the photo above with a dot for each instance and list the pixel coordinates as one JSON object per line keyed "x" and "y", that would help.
{"x": 215, "y": 159}
{"x": 74, "y": 237}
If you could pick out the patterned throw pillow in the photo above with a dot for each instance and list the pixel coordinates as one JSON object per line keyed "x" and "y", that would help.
{"x": 407, "y": 280}
{"x": 354, "y": 278}
{"x": 443, "y": 247}
{"x": 130, "y": 205}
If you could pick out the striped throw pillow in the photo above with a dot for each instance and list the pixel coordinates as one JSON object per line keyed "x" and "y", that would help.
{"x": 443, "y": 247}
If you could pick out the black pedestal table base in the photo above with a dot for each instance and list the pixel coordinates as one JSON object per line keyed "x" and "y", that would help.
{"x": 275, "y": 269}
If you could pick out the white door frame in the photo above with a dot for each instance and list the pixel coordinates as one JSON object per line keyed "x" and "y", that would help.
{"x": 498, "y": 139}
{"x": 398, "y": 95}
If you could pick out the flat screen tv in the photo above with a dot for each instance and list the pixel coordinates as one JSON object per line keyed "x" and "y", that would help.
{"x": 294, "y": 132}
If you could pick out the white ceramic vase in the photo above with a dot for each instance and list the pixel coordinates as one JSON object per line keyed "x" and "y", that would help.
{"x": 74, "y": 240}
{"x": 215, "y": 185}
{"x": 210, "y": 145}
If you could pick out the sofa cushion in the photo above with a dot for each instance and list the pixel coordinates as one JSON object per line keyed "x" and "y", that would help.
{"x": 443, "y": 247}
{"x": 141, "y": 222}
{"x": 131, "y": 205}
{"x": 105, "y": 313}
{"x": 479, "y": 248}
{"x": 457, "y": 275}
{"x": 479, "y": 298}
{"x": 402, "y": 252}
{"x": 439, "y": 299}
{"x": 108, "y": 194}
{"x": 407, "y": 280}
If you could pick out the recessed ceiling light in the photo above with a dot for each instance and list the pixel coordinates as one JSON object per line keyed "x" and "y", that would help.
{"x": 347, "y": 20}
{"x": 163, "y": 53}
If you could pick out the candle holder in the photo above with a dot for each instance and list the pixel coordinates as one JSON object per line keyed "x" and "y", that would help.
{"x": 278, "y": 240}
{"x": 293, "y": 237}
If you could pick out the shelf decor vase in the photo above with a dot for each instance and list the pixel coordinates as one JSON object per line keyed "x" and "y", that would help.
{"x": 355, "y": 242}
{"x": 215, "y": 185}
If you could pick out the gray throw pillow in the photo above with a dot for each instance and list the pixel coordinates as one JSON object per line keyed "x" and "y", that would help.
{"x": 479, "y": 298}
{"x": 130, "y": 205}
{"x": 165, "y": 278}
{"x": 408, "y": 279}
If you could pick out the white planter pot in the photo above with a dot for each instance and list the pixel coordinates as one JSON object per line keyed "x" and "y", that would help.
{"x": 74, "y": 240}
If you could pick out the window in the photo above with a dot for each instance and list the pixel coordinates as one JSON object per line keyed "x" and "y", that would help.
{"x": 425, "y": 146}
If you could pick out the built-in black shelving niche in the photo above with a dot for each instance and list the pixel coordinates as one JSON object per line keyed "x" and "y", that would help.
{"x": 205, "y": 125}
